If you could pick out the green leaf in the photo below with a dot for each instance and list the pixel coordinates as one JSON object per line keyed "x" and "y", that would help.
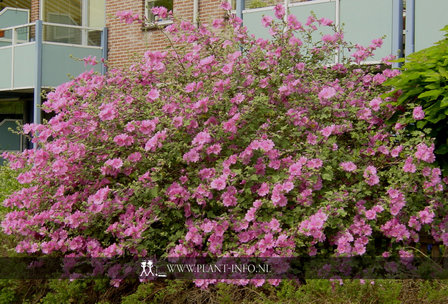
{"x": 443, "y": 149}
{"x": 421, "y": 124}
{"x": 436, "y": 119}
{"x": 433, "y": 93}
{"x": 444, "y": 102}
{"x": 431, "y": 76}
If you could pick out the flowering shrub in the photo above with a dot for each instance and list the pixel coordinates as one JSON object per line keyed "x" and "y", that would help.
{"x": 235, "y": 146}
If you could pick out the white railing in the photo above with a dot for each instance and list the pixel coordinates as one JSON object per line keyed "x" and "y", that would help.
{"x": 52, "y": 32}
{"x": 13, "y": 9}
{"x": 16, "y": 37}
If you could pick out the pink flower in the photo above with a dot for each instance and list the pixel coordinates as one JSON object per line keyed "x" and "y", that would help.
{"x": 237, "y": 99}
{"x": 191, "y": 156}
{"x": 426, "y": 216}
{"x": 115, "y": 163}
{"x": 266, "y": 21}
{"x": 202, "y": 138}
{"x": 396, "y": 151}
{"x": 311, "y": 139}
{"x": 218, "y": 183}
{"x": 409, "y": 166}
{"x": 329, "y": 38}
{"x": 227, "y": 69}
{"x": 314, "y": 163}
{"x": 100, "y": 196}
{"x": 377, "y": 42}
{"x": 295, "y": 169}
{"x": 123, "y": 140}
{"x": 263, "y": 190}
{"x": 156, "y": 141}
{"x": 148, "y": 126}
{"x": 327, "y": 131}
{"x": 267, "y": 145}
{"x": 370, "y": 214}
{"x": 418, "y": 113}
{"x": 206, "y": 173}
{"x": 293, "y": 22}
{"x": 375, "y": 104}
{"x": 190, "y": 87}
{"x": 160, "y": 11}
{"x": 108, "y": 112}
{"x": 214, "y": 149}
{"x": 327, "y": 93}
{"x": 294, "y": 41}
{"x": 152, "y": 95}
{"x": 288, "y": 186}
{"x": 250, "y": 215}
{"x": 370, "y": 176}
{"x": 60, "y": 167}
{"x": 313, "y": 226}
{"x": 135, "y": 157}
{"x": 178, "y": 121}
{"x": 279, "y": 11}
{"x": 348, "y": 166}
{"x": 128, "y": 16}
{"x": 76, "y": 243}
{"x": 90, "y": 60}
{"x": 325, "y": 22}
{"x": 225, "y": 5}
{"x": 370, "y": 170}
{"x": 300, "y": 66}
{"x": 425, "y": 153}
{"x": 414, "y": 223}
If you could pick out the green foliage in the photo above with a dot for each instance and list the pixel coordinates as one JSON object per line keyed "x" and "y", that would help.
{"x": 63, "y": 291}
{"x": 434, "y": 291}
{"x": 424, "y": 82}
{"x": 8, "y": 183}
{"x": 289, "y": 292}
{"x": 180, "y": 291}
{"x": 260, "y": 3}
{"x": 7, "y": 292}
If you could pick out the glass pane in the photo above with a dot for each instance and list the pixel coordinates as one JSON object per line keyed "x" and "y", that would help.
{"x": 249, "y": 4}
{"x": 62, "y": 11}
{"x": 94, "y": 38}
{"x": 168, "y": 4}
{"x": 10, "y": 107}
{"x": 15, "y": 3}
{"x": 54, "y": 33}
{"x": 5, "y": 38}
{"x": 96, "y": 13}
{"x": 22, "y": 34}
{"x": 233, "y": 4}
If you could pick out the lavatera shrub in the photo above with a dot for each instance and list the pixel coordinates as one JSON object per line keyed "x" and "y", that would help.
{"x": 228, "y": 146}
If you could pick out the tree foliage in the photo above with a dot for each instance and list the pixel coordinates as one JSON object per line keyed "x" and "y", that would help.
{"x": 423, "y": 92}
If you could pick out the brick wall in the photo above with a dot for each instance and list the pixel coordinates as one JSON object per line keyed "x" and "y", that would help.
{"x": 128, "y": 41}
{"x": 34, "y": 10}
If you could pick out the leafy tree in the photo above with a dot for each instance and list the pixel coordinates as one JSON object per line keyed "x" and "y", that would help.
{"x": 422, "y": 89}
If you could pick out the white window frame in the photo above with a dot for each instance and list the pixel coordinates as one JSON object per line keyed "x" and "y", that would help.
{"x": 148, "y": 14}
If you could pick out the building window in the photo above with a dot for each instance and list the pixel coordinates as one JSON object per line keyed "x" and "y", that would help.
{"x": 85, "y": 13}
{"x": 232, "y": 3}
{"x": 26, "y": 4}
{"x": 149, "y": 4}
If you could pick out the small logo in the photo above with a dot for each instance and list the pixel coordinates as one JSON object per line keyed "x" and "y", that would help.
{"x": 150, "y": 269}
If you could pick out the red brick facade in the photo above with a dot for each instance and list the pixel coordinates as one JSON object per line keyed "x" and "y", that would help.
{"x": 34, "y": 10}
{"x": 128, "y": 41}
